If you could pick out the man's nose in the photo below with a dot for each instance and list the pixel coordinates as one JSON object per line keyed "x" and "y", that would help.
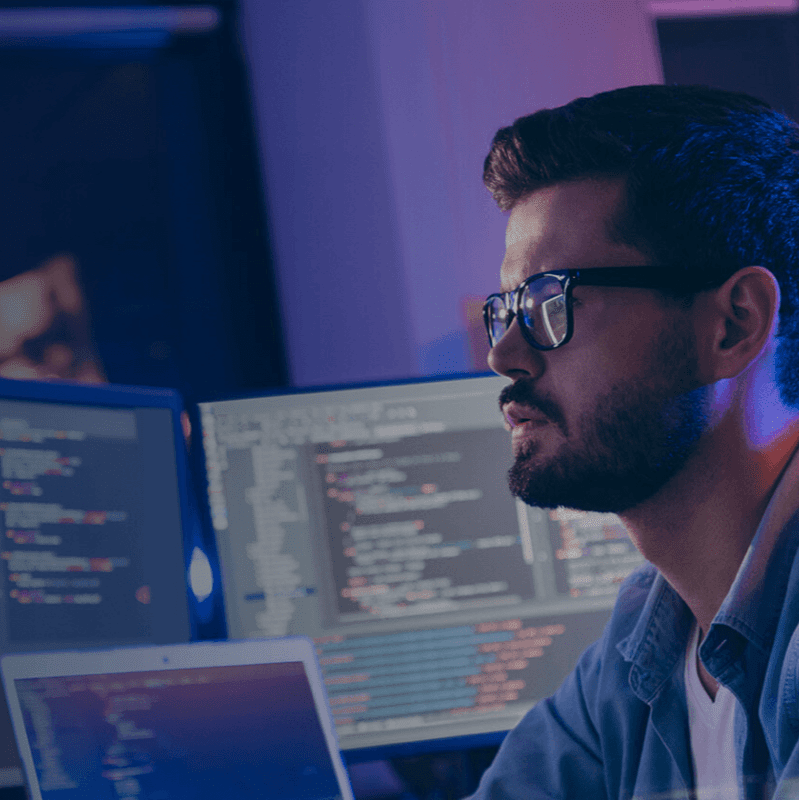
{"x": 513, "y": 357}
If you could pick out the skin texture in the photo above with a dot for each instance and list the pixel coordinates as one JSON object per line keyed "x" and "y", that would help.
{"x": 639, "y": 374}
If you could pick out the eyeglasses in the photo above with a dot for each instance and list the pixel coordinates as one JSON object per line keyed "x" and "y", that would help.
{"x": 543, "y": 303}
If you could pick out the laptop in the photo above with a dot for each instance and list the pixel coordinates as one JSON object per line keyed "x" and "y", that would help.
{"x": 243, "y": 719}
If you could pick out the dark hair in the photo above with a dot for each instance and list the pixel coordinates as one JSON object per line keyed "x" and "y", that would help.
{"x": 712, "y": 182}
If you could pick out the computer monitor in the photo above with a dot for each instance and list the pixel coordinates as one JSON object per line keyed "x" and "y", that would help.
{"x": 378, "y": 521}
{"x": 95, "y": 525}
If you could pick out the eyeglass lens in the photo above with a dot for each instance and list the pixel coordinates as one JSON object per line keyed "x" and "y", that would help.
{"x": 542, "y": 311}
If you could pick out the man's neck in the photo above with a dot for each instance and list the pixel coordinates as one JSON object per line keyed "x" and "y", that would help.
{"x": 698, "y": 528}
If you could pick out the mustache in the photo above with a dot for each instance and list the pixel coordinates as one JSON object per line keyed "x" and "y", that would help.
{"x": 524, "y": 394}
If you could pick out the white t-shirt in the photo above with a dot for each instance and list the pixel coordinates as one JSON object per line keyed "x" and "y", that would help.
{"x": 711, "y": 725}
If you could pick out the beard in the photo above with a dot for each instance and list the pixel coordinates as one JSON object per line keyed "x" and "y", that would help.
{"x": 639, "y": 437}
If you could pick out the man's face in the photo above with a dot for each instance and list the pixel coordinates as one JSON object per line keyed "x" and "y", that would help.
{"x": 604, "y": 422}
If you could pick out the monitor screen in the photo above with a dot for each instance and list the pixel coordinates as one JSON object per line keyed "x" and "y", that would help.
{"x": 378, "y": 521}
{"x": 92, "y": 504}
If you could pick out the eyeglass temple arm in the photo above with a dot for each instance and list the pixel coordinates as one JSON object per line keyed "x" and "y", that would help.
{"x": 643, "y": 277}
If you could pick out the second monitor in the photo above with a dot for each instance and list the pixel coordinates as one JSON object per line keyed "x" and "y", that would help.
{"x": 378, "y": 521}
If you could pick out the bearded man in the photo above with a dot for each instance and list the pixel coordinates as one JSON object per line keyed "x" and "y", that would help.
{"x": 649, "y": 324}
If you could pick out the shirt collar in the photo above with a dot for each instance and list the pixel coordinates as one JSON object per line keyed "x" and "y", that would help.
{"x": 754, "y": 602}
{"x": 657, "y": 642}
{"x": 752, "y": 606}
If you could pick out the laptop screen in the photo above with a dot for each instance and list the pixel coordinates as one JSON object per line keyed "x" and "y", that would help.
{"x": 244, "y": 731}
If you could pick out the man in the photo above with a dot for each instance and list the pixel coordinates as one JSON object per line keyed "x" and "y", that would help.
{"x": 649, "y": 323}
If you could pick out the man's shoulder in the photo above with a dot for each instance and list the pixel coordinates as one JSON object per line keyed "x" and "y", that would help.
{"x": 581, "y": 735}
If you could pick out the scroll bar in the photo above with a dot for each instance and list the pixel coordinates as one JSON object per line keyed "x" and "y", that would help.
{"x": 524, "y": 531}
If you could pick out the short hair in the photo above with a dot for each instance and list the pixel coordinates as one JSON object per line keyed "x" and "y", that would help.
{"x": 711, "y": 179}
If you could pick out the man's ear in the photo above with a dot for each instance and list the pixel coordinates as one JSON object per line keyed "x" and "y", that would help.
{"x": 742, "y": 318}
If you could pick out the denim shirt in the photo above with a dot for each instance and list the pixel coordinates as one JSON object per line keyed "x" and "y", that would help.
{"x": 618, "y": 726}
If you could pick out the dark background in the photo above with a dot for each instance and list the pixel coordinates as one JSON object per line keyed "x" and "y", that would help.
{"x": 134, "y": 153}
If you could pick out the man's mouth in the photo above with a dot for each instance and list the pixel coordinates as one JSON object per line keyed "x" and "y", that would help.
{"x": 517, "y": 415}
{"x": 524, "y": 409}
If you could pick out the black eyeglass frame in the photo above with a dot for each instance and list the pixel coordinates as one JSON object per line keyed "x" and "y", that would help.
{"x": 666, "y": 278}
